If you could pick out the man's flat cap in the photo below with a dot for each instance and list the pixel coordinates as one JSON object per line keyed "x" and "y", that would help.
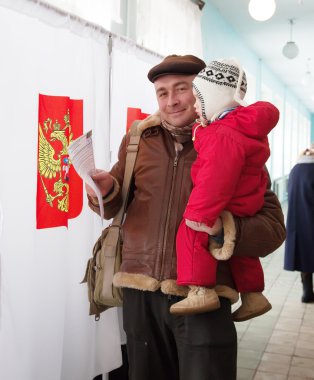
{"x": 176, "y": 64}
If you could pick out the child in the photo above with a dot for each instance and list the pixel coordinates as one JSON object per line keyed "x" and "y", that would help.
{"x": 228, "y": 174}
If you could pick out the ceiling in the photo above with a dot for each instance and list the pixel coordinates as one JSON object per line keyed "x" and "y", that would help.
{"x": 267, "y": 39}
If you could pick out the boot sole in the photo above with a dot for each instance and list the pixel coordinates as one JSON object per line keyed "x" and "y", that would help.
{"x": 253, "y": 315}
{"x": 307, "y": 299}
{"x": 191, "y": 311}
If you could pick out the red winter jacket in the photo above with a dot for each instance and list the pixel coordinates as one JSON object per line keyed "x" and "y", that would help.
{"x": 228, "y": 173}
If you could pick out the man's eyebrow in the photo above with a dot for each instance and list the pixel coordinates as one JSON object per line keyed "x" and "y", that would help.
{"x": 161, "y": 89}
{"x": 180, "y": 83}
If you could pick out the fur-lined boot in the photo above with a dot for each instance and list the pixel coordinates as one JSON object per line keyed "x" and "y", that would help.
{"x": 253, "y": 305}
{"x": 199, "y": 300}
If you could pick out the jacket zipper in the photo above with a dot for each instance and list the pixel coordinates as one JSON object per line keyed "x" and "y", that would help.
{"x": 175, "y": 164}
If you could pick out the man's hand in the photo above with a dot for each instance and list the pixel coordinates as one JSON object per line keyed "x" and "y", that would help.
{"x": 103, "y": 181}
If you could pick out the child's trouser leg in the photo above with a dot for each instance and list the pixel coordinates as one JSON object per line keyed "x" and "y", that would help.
{"x": 197, "y": 269}
{"x": 249, "y": 279}
{"x": 195, "y": 264}
{"x": 247, "y": 273}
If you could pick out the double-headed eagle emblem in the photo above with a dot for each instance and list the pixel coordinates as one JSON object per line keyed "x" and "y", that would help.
{"x": 53, "y": 160}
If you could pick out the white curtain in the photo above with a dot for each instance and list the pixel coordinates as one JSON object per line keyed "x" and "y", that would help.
{"x": 163, "y": 26}
{"x": 97, "y": 11}
{"x": 45, "y": 330}
{"x": 169, "y": 26}
{"x": 131, "y": 87}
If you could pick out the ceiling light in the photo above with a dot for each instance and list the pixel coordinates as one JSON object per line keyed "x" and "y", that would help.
{"x": 290, "y": 50}
{"x": 262, "y": 10}
{"x": 200, "y": 3}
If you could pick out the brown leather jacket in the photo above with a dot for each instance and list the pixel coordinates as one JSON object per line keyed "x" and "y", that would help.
{"x": 157, "y": 200}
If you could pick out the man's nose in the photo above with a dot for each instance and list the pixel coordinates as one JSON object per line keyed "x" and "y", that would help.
{"x": 172, "y": 99}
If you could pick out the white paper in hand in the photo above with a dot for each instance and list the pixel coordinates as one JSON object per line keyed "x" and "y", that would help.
{"x": 81, "y": 154}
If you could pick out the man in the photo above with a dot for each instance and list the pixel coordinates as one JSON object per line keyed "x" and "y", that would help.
{"x": 161, "y": 345}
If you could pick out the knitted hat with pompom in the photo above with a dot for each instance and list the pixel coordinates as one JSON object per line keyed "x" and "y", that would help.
{"x": 220, "y": 85}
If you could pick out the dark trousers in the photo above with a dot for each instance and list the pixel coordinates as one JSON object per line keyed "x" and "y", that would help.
{"x": 168, "y": 347}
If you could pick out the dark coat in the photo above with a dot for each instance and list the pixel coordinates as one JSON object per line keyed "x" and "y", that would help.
{"x": 299, "y": 247}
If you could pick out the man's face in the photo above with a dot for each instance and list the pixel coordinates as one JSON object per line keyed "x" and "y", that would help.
{"x": 175, "y": 99}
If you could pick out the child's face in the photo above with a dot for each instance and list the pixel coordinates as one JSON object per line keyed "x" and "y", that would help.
{"x": 198, "y": 108}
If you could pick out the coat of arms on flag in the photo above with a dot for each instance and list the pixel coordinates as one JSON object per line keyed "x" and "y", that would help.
{"x": 59, "y": 188}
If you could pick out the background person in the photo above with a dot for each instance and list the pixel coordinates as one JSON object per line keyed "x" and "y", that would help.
{"x": 299, "y": 246}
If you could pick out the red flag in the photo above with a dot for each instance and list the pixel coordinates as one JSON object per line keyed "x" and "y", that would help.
{"x": 134, "y": 114}
{"x": 59, "y": 188}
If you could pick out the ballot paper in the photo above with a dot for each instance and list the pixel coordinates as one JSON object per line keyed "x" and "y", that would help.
{"x": 81, "y": 154}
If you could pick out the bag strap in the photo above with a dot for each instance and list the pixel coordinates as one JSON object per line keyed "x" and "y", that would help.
{"x": 132, "y": 150}
{"x": 109, "y": 246}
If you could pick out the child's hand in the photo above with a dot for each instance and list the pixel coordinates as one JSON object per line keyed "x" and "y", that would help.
{"x": 201, "y": 227}
{"x": 196, "y": 226}
{"x": 216, "y": 228}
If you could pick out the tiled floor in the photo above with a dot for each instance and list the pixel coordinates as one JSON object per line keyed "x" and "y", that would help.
{"x": 280, "y": 344}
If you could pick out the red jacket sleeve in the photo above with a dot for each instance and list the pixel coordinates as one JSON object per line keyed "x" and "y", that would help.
{"x": 215, "y": 176}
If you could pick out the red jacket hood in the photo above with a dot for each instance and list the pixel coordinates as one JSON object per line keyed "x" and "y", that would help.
{"x": 256, "y": 120}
